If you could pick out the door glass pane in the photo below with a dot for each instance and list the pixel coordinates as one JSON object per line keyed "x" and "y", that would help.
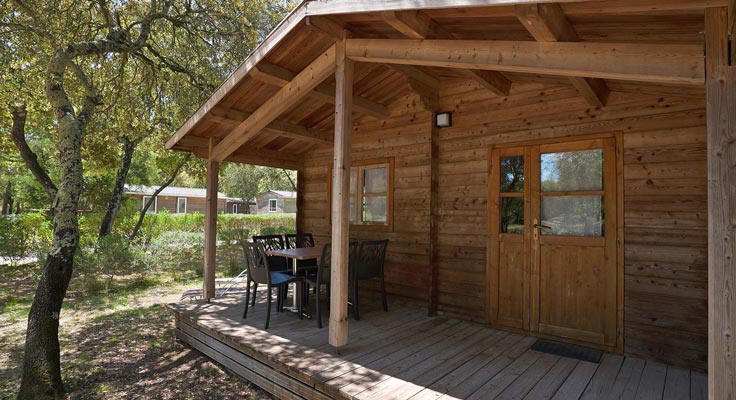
{"x": 374, "y": 209}
{"x": 572, "y": 170}
{"x": 573, "y": 215}
{"x": 375, "y": 180}
{"x": 512, "y": 215}
{"x": 512, "y": 174}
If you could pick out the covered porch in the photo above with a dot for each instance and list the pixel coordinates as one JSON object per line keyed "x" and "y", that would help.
{"x": 404, "y": 354}
{"x": 578, "y": 187}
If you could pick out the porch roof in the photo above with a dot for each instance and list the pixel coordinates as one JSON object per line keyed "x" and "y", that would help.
{"x": 657, "y": 46}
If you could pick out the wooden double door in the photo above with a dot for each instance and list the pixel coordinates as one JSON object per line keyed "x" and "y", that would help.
{"x": 552, "y": 256}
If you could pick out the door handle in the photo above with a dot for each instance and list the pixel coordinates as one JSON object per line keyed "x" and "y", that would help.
{"x": 538, "y": 226}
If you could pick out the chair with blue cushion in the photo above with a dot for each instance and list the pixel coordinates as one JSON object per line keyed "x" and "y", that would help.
{"x": 259, "y": 271}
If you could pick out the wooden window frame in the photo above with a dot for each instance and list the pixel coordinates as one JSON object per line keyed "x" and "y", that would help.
{"x": 362, "y": 165}
{"x": 276, "y": 209}
{"x": 186, "y": 204}
{"x": 155, "y": 204}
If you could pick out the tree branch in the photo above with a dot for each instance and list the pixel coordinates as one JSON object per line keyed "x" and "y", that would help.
{"x": 29, "y": 157}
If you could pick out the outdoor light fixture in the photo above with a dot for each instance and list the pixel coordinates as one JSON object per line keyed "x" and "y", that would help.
{"x": 443, "y": 120}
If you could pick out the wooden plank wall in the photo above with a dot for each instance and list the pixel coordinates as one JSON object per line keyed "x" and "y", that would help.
{"x": 665, "y": 201}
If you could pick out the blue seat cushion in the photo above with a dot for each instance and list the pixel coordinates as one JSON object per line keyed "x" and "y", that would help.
{"x": 277, "y": 278}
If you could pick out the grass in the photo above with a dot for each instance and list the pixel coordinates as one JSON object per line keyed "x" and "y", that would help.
{"x": 115, "y": 345}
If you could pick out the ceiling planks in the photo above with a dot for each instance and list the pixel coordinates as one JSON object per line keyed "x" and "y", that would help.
{"x": 417, "y": 25}
{"x": 548, "y": 23}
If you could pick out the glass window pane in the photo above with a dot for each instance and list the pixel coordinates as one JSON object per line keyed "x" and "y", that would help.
{"x": 374, "y": 209}
{"x": 572, "y": 170}
{"x": 375, "y": 180}
{"x": 512, "y": 174}
{"x": 512, "y": 215}
{"x": 352, "y": 209}
{"x": 573, "y": 215}
{"x": 353, "y": 182}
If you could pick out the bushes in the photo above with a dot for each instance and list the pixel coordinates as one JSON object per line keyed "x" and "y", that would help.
{"x": 177, "y": 253}
{"x": 111, "y": 256}
{"x": 24, "y": 235}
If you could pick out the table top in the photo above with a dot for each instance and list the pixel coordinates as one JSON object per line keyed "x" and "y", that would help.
{"x": 302, "y": 253}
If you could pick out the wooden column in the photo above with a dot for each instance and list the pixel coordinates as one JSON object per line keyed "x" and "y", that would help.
{"x": 340, "y": 198}
{"x": 300, "y": 201}
{"x": 434, "y": 207}
{"x": 210, "y": 227}
{"x": 721, "y": 108}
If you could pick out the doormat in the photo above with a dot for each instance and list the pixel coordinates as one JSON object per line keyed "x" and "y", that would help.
{"x": 567, "y": 350}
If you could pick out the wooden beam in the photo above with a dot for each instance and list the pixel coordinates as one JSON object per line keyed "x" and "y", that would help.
{"x": 287, "y": 97}
{"x": 721, "y": 122}
{"x": 210, "y": 225}
{"x": 362, "y": 6}
{"x": 418, "y": 25}
{"x": 666, "y": 63}
{"x": 279, "y": 76}
{"x": 328, "y": 27}
{"x": 284, "y": 128}
{"x": 257, "y": 156}
{"x": 423, "y": 84}
{"x": 548, "y": 23}
{"x": 434, "y": 222}
{"x": 338, "y": 335}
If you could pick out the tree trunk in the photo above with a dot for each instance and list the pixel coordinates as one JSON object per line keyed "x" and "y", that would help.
{"x": 150, "y": 201}
{"x": 7, "y": 199}
{"x": 18, "y": 133}
{"x": 117, "y": 193}
{"x": 41, "y": 375}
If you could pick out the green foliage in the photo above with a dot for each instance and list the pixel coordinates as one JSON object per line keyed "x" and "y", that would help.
{"x": 24, "y": 235}
{"x": 246, "y": 181}
{"x": 178, "y": 253}
{"x": 110, "y": 256}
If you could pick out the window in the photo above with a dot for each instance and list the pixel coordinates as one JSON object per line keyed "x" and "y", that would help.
{"x": 235, "y": 208}
{"x": 371, "y": 194}
{"x": 152, "y": 209}
{"x": 181, "y": 205}
{"x": 273, "y": 205}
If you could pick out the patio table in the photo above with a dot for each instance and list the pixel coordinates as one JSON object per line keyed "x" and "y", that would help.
{"x": 300, "y": 253}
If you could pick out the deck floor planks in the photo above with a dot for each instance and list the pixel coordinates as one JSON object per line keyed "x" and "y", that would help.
{"x": 652, "y": 381}
{"x": 677, "y": 384}
{"x": 627, "y": 381}
{"x": 552, "y": 380}
{"x": 405, "y": 354}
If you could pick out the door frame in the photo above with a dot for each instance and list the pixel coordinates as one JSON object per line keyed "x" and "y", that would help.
{"x": 491, "y": 303}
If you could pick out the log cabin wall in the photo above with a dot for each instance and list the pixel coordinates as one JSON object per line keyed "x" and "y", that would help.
{"x": 665, "y": 204}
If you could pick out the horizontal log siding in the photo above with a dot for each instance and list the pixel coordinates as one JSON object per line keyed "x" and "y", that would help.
{"x": 405, "y": 137}
{"x": 665, "y": 202}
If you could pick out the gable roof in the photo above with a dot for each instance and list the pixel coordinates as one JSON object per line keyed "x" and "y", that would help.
{"x": 281, "y": 193}
{"x": 308, "y": 31}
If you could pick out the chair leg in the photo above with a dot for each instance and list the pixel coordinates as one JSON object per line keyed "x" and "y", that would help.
{"x": 319, "y": 310}
{"x": 279, "y": 301}
{"x": 268, "y": 308}
{"x": 383, "y": 294}
{"x": 356, "y": 306}
{"x": 255, "y": 292}
{"x": 247, "y": 297}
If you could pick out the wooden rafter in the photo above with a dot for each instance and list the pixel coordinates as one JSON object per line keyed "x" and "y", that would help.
{"x": 665, "y": 63}
{"x": 425, "y": 85}
{"x": 417, "y": 25}
{"x": 262, "y": 157}
{"x": 284, "y": 128}
{"x": 548, "y": 23}
{"x": 279, "y": 76}
{"x": 284, "y": 99}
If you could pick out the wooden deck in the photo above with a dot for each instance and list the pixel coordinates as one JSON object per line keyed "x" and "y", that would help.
{"x": 403, "y": 354}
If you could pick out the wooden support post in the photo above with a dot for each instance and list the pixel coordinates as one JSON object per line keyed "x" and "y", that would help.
{"x": 338, "y": 336}
{"x": 721, "y": 110}
{"x": 434, "y": 207}
{"x": 300, "y": 201}
{"x": 210, "y": 226}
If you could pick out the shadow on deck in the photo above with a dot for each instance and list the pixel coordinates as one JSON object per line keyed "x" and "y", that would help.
{"x": 403, "y": 354}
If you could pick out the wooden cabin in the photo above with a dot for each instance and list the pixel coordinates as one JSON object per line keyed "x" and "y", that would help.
{"x": 550, "y": 168}
{"x": 275, "y": 201}
{"x": 179, "y": 200}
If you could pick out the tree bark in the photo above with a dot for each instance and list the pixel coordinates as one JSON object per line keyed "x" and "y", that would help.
{"x": 7, "y": 199}
{"x": 113, "y": 205}
{"x": 18, "y": 133}
{"x": 150, "y": 201}
{"x": 41, "y": 375}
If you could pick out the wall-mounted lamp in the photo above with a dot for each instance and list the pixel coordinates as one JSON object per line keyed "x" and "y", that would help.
{"x": 443, "y": 120}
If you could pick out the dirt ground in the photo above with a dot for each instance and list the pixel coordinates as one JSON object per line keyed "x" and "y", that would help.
{"x": 115, "y": 345}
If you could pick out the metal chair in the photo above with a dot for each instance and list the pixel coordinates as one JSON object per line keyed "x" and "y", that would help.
{"x": 277, "y": 264}
{"x": 320, "y": 277}
{"x": 259, "y": 271}
{"x": 298, "y": 240}
{"x": 368, "y": 264}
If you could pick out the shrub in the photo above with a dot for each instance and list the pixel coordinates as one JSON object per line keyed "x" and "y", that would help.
{"x": 178, "y": 253}
{"x": 111, "y": 256}
{"x": 230, "y": 250}
{"x": 24, "y": 235}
